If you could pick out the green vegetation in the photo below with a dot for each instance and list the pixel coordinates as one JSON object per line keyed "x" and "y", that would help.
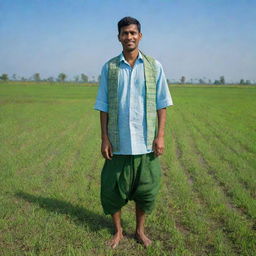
{"x": 51, "y": 162}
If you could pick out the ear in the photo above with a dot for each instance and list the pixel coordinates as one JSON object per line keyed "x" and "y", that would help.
{"x": 140, "y": 35}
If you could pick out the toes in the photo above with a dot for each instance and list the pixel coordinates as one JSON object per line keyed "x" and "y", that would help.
{"x": 145, "y": 241}
{"x": 113, "y": 245}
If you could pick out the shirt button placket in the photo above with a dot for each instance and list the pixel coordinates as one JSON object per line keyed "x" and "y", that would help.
{"x": 131, "y": 104}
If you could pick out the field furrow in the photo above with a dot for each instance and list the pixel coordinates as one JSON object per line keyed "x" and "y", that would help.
{"x": 227, "y": 138}
{"x": 199, "y": 229}
{"x": 213, "y": 195}
{"x": 213, "y": 154}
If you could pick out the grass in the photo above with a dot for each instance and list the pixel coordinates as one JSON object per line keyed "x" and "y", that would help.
{"x": 51, "y": 162}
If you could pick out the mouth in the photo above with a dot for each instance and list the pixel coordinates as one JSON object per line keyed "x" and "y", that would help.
{"x": 128, "y": 43}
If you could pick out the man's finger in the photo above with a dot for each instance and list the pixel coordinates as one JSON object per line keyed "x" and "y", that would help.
{"x": 110, "y": 152}
{"x": 107, "y": 155}
{"x": 156, "y": 152}
{"x": 156, "y": 149}
{"x": 159, "y": 151}
{"x": 104, "y": 154}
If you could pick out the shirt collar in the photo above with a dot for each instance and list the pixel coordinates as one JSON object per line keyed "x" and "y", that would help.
{"x": 122, "y": 58}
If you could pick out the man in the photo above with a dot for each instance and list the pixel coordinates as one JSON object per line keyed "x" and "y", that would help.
{"x": 132, "y": 100}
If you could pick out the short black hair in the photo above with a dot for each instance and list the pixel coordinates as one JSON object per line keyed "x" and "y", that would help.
{"x": 126, "y": 21}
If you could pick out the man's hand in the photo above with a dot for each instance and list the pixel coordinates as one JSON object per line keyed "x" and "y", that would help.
{"x": 158, "y": 145}
{"x": 106, "y": 149}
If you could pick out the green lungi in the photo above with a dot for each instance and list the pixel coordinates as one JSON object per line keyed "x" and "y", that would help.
{"x": 130, "y": 177}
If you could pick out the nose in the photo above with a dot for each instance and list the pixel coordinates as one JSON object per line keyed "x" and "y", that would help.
{"x": 129, "y": 36}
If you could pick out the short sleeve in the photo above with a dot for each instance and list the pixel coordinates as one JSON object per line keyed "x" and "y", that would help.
{"x": 101, "y": 103}
{"x": 163, "y": 96}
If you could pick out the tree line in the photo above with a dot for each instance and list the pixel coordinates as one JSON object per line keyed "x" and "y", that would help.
{"x": 62, "y": 77}
{"x": 204, "y": 80}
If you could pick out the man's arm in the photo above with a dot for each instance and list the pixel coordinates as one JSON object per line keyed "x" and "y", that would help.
{"x": 102, "y": 105}
{"x": 163, "y": 100}
{"x": 106, "y": 148}
{"x": 158, "y": 143}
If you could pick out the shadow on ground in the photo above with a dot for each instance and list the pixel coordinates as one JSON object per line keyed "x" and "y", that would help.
{"x": 79, "y": 215}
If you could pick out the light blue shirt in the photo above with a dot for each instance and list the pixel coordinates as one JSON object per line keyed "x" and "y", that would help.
{"x": 132, "y": 103}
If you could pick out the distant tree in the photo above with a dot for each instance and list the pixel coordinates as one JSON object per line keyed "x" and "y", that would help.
{"x": 247, "y": 82}
{"x": 62, "y": 77}
{"x": 14, "y": 77}
{"x": 36, "y": 77}
{"x": 216, "y": 82}
{"x": 241, "y": 81}
{"x": 84, "y": 78}
{"x": 4, "y": 77}
{"x": 23, "y": 79}
{"x": 209, "y": 81}
{"x": 183, "y": 79}
{"x": 50, "y": 79}
{"x": 201, "y": 81}
{"x": 76, "y": 78}
{"x": 222, "y": 80}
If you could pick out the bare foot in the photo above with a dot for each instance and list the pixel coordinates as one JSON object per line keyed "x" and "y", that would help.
{"x": 115, "y": 240}
{"x": 143, "y": 239}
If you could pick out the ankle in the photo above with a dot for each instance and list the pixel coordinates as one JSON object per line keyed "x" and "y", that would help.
{"x": 119, "y": 231}
{"x": 139, "y": 231}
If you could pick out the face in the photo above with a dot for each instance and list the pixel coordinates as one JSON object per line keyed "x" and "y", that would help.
{"x": 130, "y": 37}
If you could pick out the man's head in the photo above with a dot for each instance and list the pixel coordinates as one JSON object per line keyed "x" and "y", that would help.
{"x": 129, "y": 33}
{"x": 126, "y": 21}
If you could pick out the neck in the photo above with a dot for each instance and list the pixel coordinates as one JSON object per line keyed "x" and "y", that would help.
{"x": 131, "y": 55}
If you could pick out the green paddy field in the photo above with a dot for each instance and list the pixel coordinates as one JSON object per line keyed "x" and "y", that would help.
{"x": 50, "y": 174}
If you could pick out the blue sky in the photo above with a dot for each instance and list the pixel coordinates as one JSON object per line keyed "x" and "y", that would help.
{"x": 194, "y": 38}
